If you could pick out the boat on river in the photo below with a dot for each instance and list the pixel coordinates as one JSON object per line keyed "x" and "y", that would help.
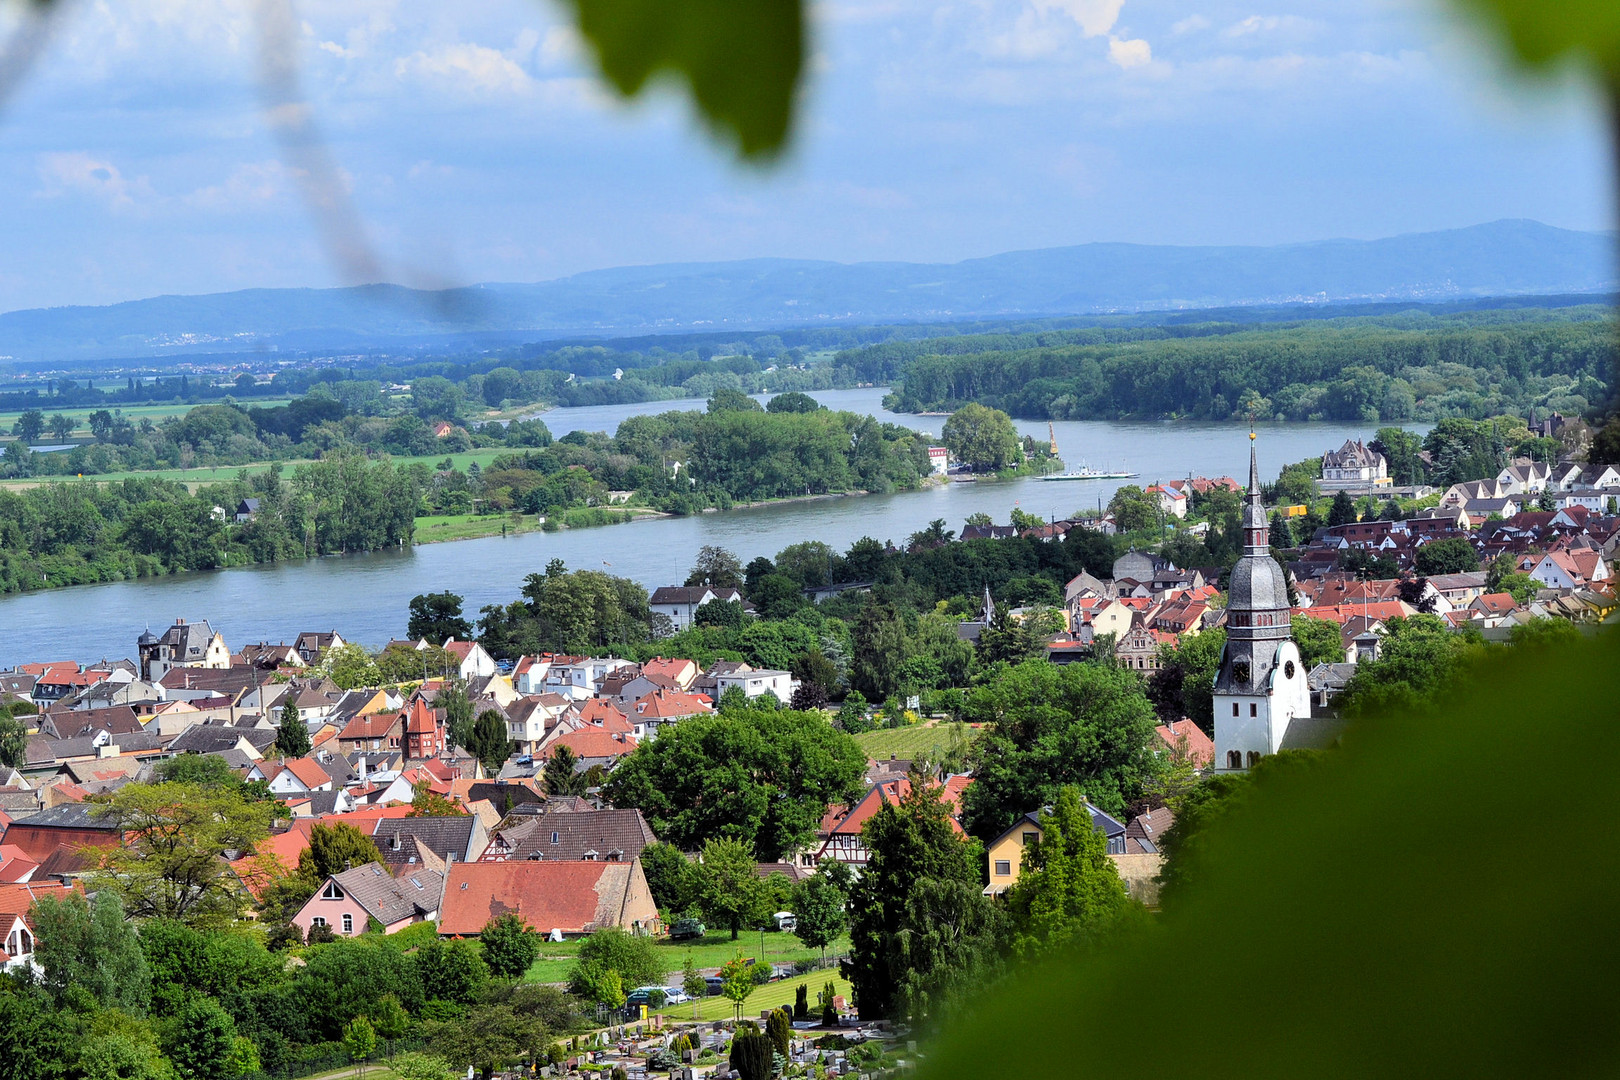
{"x": 1084, "y": 472}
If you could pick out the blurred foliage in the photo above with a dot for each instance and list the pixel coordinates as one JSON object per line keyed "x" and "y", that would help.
{"x": 1404, "y": 906}
{"x": 741, "y": 60}
{"x": 1542, "y": 33}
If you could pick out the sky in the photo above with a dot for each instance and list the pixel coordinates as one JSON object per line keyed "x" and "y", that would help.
{"x": 476, "y": 144}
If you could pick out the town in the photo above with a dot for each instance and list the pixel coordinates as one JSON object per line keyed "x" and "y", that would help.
{"x": 487, "y": 856}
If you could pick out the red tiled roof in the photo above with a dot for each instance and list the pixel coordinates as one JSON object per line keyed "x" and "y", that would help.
{"x": 308, "y": 772}
{"x": 591, "y": 742}
{"x": 1200, "y": 748}
{"x": 458, "y": 649}
{"x": 1499, "y": 603}
{"x": 371, "y": 726}
{"x": 661, "y": 704}
{"x": 420, "y": 719}
{"x": 566, "y": 896}
{"x": 1381, "y": 609}
{"x": 14, "y": 864}
{"x": 46, "y": 667}
{"x": 890, "y": 792}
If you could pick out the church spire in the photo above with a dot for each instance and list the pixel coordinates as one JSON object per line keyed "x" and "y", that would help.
{"x": 1256, "y": 530}
{"x": 1254, "y": 469}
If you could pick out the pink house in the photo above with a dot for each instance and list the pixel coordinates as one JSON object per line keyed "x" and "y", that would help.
{"x": 349, "y": 901}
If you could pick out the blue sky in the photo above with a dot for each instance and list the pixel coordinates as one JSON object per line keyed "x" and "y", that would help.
{"x": 136, "y": 159}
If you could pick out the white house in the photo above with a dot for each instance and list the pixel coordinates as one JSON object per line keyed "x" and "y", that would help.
{"x": 1353, "y": 466}
{"x": 755, "y": 683}
{"x": 680, "y": 603}
{"x": 474, "y": 661}
{"x": 939, "y": 459}
{"x": 579, "y": 677}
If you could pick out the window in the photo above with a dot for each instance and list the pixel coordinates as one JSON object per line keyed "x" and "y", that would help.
{"x": 1234, "y": 708}
{"x": 332, "y": 891}
{"x": 348, "y": 923}
{"x": 1234, "y": 758}
{"x": 1029, "y": 838}
{"x": 317, "y": 921}
{"x": 1003, "y": 868}
{"x": 554, "y": 838}
{"x": 1254, "y": 709}
{"x": 1254, "y": 758}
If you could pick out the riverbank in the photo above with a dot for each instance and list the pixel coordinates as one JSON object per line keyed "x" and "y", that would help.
{"x": 444, "y": 528}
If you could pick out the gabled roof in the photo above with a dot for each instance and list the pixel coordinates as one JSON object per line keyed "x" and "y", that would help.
{"x": 573, "y": 897}
{"x": 592, "y": 742}
{"x": 569, "y": 834}
{"x": 1200, "y": 748}
{"x": 370, "y": 726}
{"x": 416, "y": 892}
{"x": 447, "y": 837}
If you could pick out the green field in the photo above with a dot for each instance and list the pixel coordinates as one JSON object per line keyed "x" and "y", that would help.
{"x": 716, "y": 948}
{"x": 769, "y": 996}
{"x": 155, "y": 413}
{"x": 436, "y": 527}
{"x": 906, "y": 742}
{"x": 192, "y": 478}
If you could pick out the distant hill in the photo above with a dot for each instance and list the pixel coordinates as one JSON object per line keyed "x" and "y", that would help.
{"x": 1504, "y": 258}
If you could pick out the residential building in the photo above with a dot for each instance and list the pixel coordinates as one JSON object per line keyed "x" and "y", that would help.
{"x": 571, "y": 834}
{"x": 192, "y": 645}
{"x": 755, "y": 683}
{"x": 1353, "y": 466}
{"x": 310, "y": 645}
{"x": 1004, "y": 855}
{"x": 473, "y": 661}
{"x": 557, "y": 898}
{"x": 350, "y": 901}
{"x": 679, "y": 603}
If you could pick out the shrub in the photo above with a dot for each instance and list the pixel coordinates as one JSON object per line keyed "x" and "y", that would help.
{"x": 752, "y": 1056}
{"x": 801, "y": 1001}
{"x": 779, "y": 1029}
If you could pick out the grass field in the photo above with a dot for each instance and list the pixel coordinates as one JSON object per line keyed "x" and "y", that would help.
{"x": 437, "y": 527}
{"x": 155, "y": 413}
{"x": 556, "y": 958}
{"x": 193, "y": 478}
{"x": 907, "y": 742}
{"x": 769, "y": 996}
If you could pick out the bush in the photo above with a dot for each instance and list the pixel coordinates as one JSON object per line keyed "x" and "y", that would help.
{"x": 752, "y": 1056}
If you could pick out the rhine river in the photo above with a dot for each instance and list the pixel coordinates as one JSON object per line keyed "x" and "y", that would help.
{"x": 365, "y": 597}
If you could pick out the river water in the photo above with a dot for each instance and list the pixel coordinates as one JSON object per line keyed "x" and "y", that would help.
{"x": 365, "y": 597}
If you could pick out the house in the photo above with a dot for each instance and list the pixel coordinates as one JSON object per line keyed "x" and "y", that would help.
{"x": 472, "y": 658}
{"x": 558, "y": 898}
{"x": 578, "y": 677}
{"x": 592, "y": 746}
{"x": 17, "y": 925}
{"x": 62, "y": 839}
{"x": 662, "y": 707}
{"x": 1559, "y": 570}
{"x": 453, "y": 839}
{"x": 840, "y": 832}
{"x": 1004, "y": 855}
{"x": 1353, "y": 466}
{"x": 377, "y": 731}
{"x": 425, "y": 734}
{"x": 680, "y": 603}
{"x": 188, "y": 645}
{"x": 350, "y": 901}
{"x": 296, "y": 776}
{"x": 309, "y": 646}
{"x": 1139, "y": 648}
{"x": 267, "y": 657}
{"x": 939, "y": 460}
{"x": 681, "y": 672}
{"x": 1171, "y": 498}
{"x": 570, "y": 835}
{"x": 1186, "y": 741}
{"x": 246, "y": 511}
{"x": 755, "y": 683}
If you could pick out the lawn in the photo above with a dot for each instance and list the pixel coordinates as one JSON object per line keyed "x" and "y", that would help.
{"x": 907, "y": 742}
{"x": 769, "y": 996}
{"x": 556, "y": 958}
{"x": 213, "y": 474}
{"x": 155, "y": 413}
{"x": 433, "y": 528}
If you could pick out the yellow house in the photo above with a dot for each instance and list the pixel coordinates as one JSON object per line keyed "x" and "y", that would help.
{"x": 1005, "y": 853}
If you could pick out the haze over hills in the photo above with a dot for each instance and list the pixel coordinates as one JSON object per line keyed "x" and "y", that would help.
{"x": 1504, "y": 258}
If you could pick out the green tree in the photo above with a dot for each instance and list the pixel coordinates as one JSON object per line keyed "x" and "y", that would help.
{"x": 1184, "y": 684}
{"x": 1134, "y": 510}
{"x": 1082, "y": 724}
{"x": 983, "y": 439}
{"x": 425, "y": 802}
{"x": 91, "y": 946}
{"x": 1522, "y": 587}
{"x": 389, "y": 1018}
{"x": 13, "y": 742}
{"x": 1068, "y": 891}
{"x": 29, "y": 426}
{"x": 422, "y": 1067}
{"x": 1006, "y": 640}
{"x": 738, "y": 979}
{"x": 879, "y": 649}
{"x": 594, "y": 981}
{"x": 61, "y": 426}
{"x": 674, "y": 880}
{"x": 636, "y": 959}
{"x": 334, "y": 849}
{"x": 563, "y": 775}
{"x": 1402, "y": 449}
{"x": 693, "y": 982}
{"x": 912, "y": 848}
{"x": 732, "y": 893}
{"x": 761, "y": 776}
{"x": 1319, "y": 641}
{"x": 1417, "y": 659}
{"x": 458, "y": 712}
{"x": 349, "y": 665}
{"x": 359, "y": 1041}
{"x": 819, "y": 912}
{"x": 436, "y": 617}
{"x": 1343, "y": 511}
{"x": 292, "y": 735}
{"x": 1453, "y": 556}
{"x": 201, "y": 1042}
{"x": 793, "y": 402}
{"x": 779, "y": 1029}
{"x": 451, "y": 971}
{"x": 717, "y": 568}
{"x": 172, "y": 861}
{"x": 489, "y": 742}
{"x": 510, "y": 945}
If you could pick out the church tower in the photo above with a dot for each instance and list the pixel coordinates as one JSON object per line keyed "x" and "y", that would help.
{"x": 1261, "y": 683}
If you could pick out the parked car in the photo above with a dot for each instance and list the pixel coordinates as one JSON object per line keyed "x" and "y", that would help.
{"x": 674, "y": 995}
{"x": 687, "y": 929}
{"x": 655, "y": 997}
{"x": 715, "y": 984}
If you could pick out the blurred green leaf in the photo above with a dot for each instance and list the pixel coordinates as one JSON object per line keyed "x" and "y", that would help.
{"x": 1542, "y": 31}
{"x": 741, "y": 58}
{"x": 1437, "y": 898}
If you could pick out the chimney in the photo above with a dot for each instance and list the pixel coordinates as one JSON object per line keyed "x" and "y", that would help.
{"x": 393, "y": 842}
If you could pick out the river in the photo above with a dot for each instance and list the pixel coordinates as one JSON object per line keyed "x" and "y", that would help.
{"x": 365, "y": 597}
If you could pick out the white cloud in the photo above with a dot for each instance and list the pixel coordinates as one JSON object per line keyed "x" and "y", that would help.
{"x": 77, "y": 172}
{"x": 1095, "y": 17}
{"x": 249, "y": 186}
{"x": 473, "y": 67}
{"x": 1191, "y": 24}
{"x": 1129, "y": 52}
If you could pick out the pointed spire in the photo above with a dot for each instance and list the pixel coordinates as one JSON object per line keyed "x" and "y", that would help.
{"x": 1254, "y": 468}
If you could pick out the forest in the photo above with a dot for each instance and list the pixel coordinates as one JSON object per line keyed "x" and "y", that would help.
{"x": 1390, "y": 368}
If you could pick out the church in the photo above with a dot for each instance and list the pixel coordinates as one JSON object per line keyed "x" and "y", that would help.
{"x": 1261, "y": 686}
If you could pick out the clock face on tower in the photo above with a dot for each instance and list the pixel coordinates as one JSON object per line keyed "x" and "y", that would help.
{"x": 1240, "y": 672}
{"x": 1288, "y": 670}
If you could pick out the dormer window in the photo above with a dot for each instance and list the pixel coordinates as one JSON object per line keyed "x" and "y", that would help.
{"x": 555, "y": 838}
